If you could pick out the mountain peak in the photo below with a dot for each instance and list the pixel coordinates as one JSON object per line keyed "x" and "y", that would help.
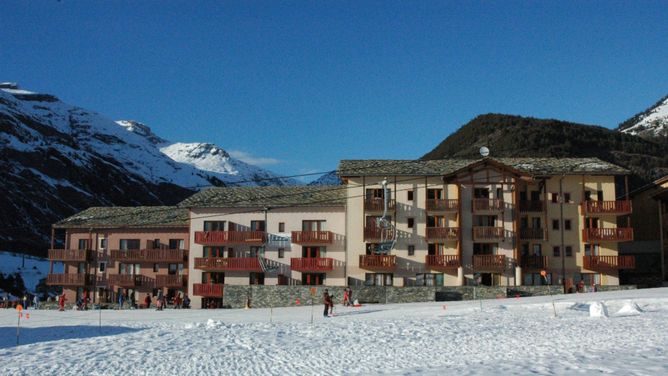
{"x": 653, "y": 122}
{"x": 142, "y": 130}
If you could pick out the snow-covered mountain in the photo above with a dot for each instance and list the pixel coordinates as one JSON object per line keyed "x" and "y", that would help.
{"x": 651, "y": 123}
{"x": 330, "y": 178}
{"x": 58, "y": 159}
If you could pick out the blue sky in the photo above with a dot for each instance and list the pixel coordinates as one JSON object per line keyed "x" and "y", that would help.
{"x": 300, "y": 85}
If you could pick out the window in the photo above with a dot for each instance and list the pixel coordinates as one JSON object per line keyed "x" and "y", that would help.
{"x": 555, "y": 197}
{"x": 537, "y": 251}
{"x": 214, "y": 225}
{"x": 103, "y": 266}
{"x": 281, "y": 226}
{"x": 128, "y": 244}
{"x": 281, "y": 252}
{"x": 499, "y": 193}
{"x": 434, "y": 194}
{"x": 556, "y": 251}
{"x": 313, "y": 279}
{"x": 569, "y": 251}
{"x": 567, "y": 197}
{"x": 555, "y": 224}
{"x": 213, "y": 252}
{"x": 567, "y": 224}
{"x": 83, "y": 244}
{"x": 411, "y": 222}
{"x": 176, "y": 244}
{"x": 411, "y": 250}
{"x": 257, "y": 226}
{"x": 480, "y": 192}
{"x": 428, "y": 279}
{"x": 156, "y": 268}
{"x": 256, "y": 278}
{"x": 535, "y": 279}
{"x": 378, "y": 279}
{"x": 410, "y": 195}
{"x": 103, "y": 243}
{"x": 314, "y": 225}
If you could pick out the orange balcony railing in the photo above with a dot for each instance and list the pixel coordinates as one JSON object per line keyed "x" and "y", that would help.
{"x": 377, "y": 204}
{"x": 312, "y": 237}
{"x": 71, "y": 254}
{"x": 489, "y": 263}
{"x": 443, "y": 261}
{"x": 607, "y": 207}
{"x": 70, "y": 279}
{"x": 230, "y": 237}
{"x": 131, "y": 280}
{"x": 487, "y": 205}
{"x": 527, "y": 206}
{"x": 171, "y": 281}
{"x": 249, "y": 264}
{"x": 609, "y": 263}
{"x": 312, "y": 264}
{"x": 618, "y": 234}
{"x": 482, "y": 233}
{"x": 533, "y": 262}
{"x": 378, "y": 262}
{"x": 212, "y": 290}
{"x": 436, "y": 234}
{"x": 148, "y": 255}
{"x": 533, "y": 233}
{"x": 443, "y": 205}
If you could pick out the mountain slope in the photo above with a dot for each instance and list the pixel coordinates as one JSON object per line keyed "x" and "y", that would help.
{"x": 516, "y": 136}
{"x": 651, "y": 123}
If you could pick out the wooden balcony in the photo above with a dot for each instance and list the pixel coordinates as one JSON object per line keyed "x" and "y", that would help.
{"x": 312, "y": 237}
{"x": 148, "y": 255}
{"x": 176, "y": 281}
{"x": 378, "y": 262}
{"x": 443, "y": 262}
{"x": 609, "y": 263}
{"x": 487, "y": 205}
{"x": 488, "y": 234}
{"x": 440, "y": 234}
{"x": 532, "y": 206}
{"x": 377, "y": 204}
{"x": 489, "y": 263}
{"x": 440, "y": 205}
{"x": 210, "y": 290}
{"x": 230, "y": 237}
{"x": 372, "y": 234}
{"x": 131, "y": 280}
{"x": 70, "y": 279}
{"x": 533, "y": 234}
{"x": 618, "y": 234}
{"x": 533, "y": 262}
{"x": 80, "y": 255}
{"x": 242, "y": 264}
{"x": 313, "y": 264}
{"x": 606, "y": 207}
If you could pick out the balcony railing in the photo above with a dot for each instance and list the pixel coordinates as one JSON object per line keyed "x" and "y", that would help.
{"x": 440, "y": 205}
{"x": 71, "y": 254}
{"x": 171, "y": 281}
{"x": 487, "y": 205}
{"x": 618, "y": 234}
{"x": 533, "y": 233}
{"x": 442, "y": 233}
{"x": 212, "y": 290}
{"x": 377, "y": 204}
{"x": 313, "y": 264}
{"x": 249, "y": 264}
{"x": 443, "y": 261}
{"x": 312, "y": 237}
{"x": 482, "y": 233}
{"x": 230, "y": 237}
{"x": 131, "y": 280}
{"x": 373, "y": 234}
{"x": 378, "y": 262}
{"x": 609, "y": 263}
{"x": 533, "y": 262}
{"x": 527, "y": 206}
{"x": 489, "y": 263}
{"x": 607, "y": 207}
{"x": 148, "y": 255}
{"x": 70, "y": 279}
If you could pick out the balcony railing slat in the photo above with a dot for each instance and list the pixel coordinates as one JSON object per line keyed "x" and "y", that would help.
{"x": 313, "y": 264}
{"x": 617, "y": 234}
{"x": 377, "y": 204}
{"x": 251, "y": 264}
{"x": 230, "y": 237}
{"x": 607, "y": 263}
{"x": 214, "y": 290}
{"x": 442, "y": 233}
{"x": 442, "y": 204}
{"x": 607, "y": 207}
{"x": 312, "y": 237}
{"x": 149, "y": 255}
{"x": 487, "y": 204}
{"x": 378, "y": 262}
{"x": 170, "y": 280}
{"x": 70, "y": 254}
{"x": 494, "y": 263}
{"x": 488, "y": 233}
{"x": 442, "y": 261}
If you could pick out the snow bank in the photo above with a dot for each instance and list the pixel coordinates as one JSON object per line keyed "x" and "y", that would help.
{"x": 598, "y": 309}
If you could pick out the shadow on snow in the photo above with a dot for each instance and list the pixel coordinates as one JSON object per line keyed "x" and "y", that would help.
{"x": 55, "y": 333}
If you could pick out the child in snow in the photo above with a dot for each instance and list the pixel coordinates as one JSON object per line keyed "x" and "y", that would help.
{"x": 61, "y": 302}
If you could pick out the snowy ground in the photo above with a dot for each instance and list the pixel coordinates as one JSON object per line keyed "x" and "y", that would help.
{"x": 509, "y": 336}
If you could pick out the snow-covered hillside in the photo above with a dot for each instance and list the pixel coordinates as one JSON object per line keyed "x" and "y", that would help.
{"x": 615, "y": 333}
{"x": 330, "y": 178}
{"x": 31, "y": 268}
{"x": 652, "y": 122}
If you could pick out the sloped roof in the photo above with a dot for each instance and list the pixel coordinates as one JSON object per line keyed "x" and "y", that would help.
{"x": 436, "y": 167}
{"x": 258, "y": 197}
{"x": 120, "y": 216}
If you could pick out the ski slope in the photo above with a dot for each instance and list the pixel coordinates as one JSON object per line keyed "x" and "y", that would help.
{"x": 623, "y": 333}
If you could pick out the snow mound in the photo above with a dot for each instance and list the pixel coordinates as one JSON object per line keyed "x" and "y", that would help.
{"x": 598, "y": 309}
{"x": 630, "y": 309}
{"x": 212, "y": 324}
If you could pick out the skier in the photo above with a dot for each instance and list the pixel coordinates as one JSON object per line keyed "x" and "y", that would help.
{"x": 327, "y": 300}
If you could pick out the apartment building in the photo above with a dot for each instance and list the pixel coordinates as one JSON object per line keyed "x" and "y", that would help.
{"x": 265, "y": 236}
{"x": 134, "y": 251}
{"x": 490, "y": 221}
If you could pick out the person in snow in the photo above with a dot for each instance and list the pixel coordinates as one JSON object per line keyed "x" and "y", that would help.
{"x": 61, "y": 302}
{"x": 120, "y": 301}
{"x": 186, "y": 301}
{"x": 133, "y": 301}
{"x": 159, "y": 302}
{"x": 327, "y": 301}
{"x": 177, "y": 301}
{"x": 35, "y": 302}
{"x": 147, "y": 301}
